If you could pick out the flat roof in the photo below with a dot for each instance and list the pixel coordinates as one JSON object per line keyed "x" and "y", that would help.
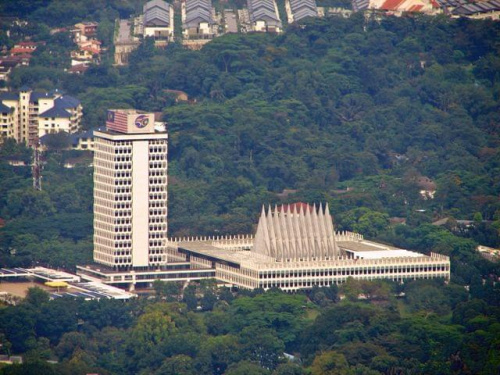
{"x": 105, "y": 270}
{"x": 364, "y": 245}
{"x": 248, "y": 259}
{"x": 233, "y": 257}
{"x": 400, "y": 253}
{"x": 14, "y": 271}
{"x": 53, "y": 275}
{"x": 116, "y": 136}
{"x": 92, "y": 290}
{"x": 104, "y": 290}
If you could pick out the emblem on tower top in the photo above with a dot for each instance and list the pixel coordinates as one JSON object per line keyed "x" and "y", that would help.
{"x": 141, "y": 121}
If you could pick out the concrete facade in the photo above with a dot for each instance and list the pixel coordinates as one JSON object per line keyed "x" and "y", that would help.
{"x": 130, "y": 194}
{"x": 237, "y": 265}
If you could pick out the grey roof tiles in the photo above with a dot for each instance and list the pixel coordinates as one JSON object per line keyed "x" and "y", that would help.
{"x": 198, "y": 11}
{"x": 156, "y": 14}
{"x": 303, "y": 8}
{"x": 263, "y": 10}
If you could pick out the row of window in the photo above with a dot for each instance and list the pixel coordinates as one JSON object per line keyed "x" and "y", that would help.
{"x": 158, "y": 142}
{"x": 123, "y": 167}
{"x": 310, "y": 283}
{"x": 104, "y": 244}
{"x": 158, "y": 196}
{"x": 162, "y": 227}
{"x": 123, "y": 150}
{"x": 157, "y": 212}
{"x": 122, "y": 158}
{"x": 123, "y": 229}
{"x": 157, "y": 251}
{"x": 352, "y": 272}
{"x": 157, "y": 157}
{"x": 158, "y": 220}
{"x": 123, "y": 182}
{"x": 158, "y": 180}
{"x": 158, "y": 149}
{"x": 122, "y": 174}
{"x": 123, "y": 244}
{"x": 156, "y": 243}
{"x": 156, "y": 259}
{"x": 123, "y": 260}
{"x": 158, "y": 204}
{"x": 191, "y": 275}
{"x": 158, "y": 173}
{"x": 122, "y": 253}
{"x": 121, "y": 190}
{"x": 122, "y": 206}
{"x": 158, "y": 165}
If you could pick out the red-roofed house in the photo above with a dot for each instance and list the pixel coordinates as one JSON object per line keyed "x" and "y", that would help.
{"x": 78, "y": 69}
{"x": 391, "y": 4}
{"x": 20, "y": 51}
{"x": 26, "y": 45}
{"x": 398, "y": 7}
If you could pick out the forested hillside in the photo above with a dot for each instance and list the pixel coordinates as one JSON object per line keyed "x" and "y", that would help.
{"x": 354, "y": 112}
{"x": 359, "y": 113}
{"x": 435, "y": 329}
{"x": 318, "y": 109}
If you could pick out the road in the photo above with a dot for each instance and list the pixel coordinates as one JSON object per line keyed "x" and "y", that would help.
{"x": 231, "y": 24}
{"x": 124, "y": 32}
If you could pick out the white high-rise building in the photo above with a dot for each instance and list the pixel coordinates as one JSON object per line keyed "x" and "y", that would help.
{"x": 130, "y": 192}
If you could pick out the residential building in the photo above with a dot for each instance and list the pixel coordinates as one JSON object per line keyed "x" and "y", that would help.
{"x": 476, "y": 10}
{"x": 34, "y": 114}
{"x": 299, "y": 9}
{"x": 84, "y": 30}
{"x": 83, "y": 141}
{"x": 7, "y": 120}
{"x": 89, "y": 51}
{"x": 197, "y": 19}
{"x": 78, "y": 69}
{"x": 22, "y": 48}
{"x": 64, "y": 115}
{"x": 398, "y": 7}
{"x": 10, "y": 118}
{"x": 158, "y": 21}
{"x": 264, "y": 16}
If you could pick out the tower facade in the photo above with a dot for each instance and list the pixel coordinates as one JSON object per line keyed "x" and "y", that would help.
{"x": 130, "y": 192}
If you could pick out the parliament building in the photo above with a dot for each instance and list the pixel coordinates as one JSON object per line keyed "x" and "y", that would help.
{"x": 295, "y": 246}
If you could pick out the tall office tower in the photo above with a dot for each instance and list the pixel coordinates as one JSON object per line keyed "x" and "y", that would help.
{"x": 130, "y": 192}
